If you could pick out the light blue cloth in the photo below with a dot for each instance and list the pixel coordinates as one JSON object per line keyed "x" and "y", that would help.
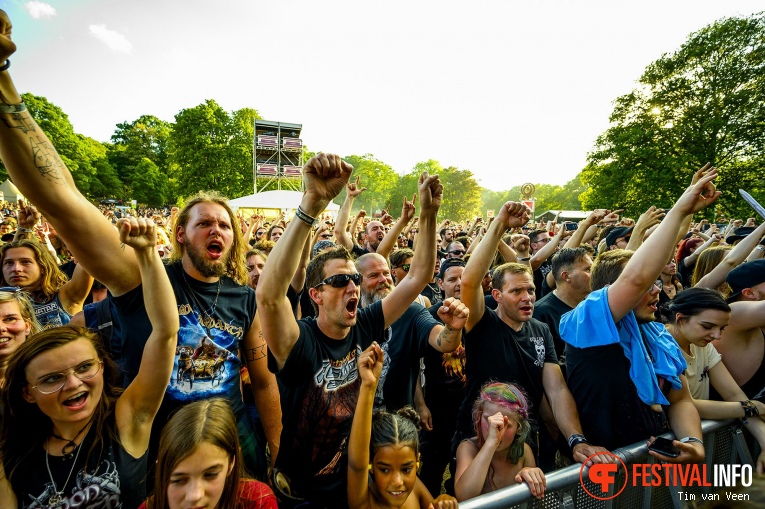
{"x": 591, "y": 324}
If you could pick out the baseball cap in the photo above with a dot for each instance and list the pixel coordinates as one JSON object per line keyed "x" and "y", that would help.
{"x": 617, "y": 233}
{"x": 744, "y": 276}
{"x": 739, "y": 233}
{"x": 448, "y": 264}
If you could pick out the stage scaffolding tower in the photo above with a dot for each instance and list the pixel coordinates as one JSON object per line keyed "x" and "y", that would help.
{"x": 277, "y": 156}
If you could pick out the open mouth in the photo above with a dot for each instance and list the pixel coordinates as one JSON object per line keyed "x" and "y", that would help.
{"x": 351, "y": 306}
{"x": 654, "y": 305}
{"x": 4, "y": 340}
{"x": 396, "y": 494}
{"x": 77, "y": 400}
{"x": 215, "y": 250}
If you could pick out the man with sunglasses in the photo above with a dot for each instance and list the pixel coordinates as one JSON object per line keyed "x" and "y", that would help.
{"x": 315, "y": 358}
{"x": 455, "y": 250}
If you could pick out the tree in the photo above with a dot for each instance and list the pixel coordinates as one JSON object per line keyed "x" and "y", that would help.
{"x": 145, "y": 138}
{"x": 462, "y": 194}
{"x": 212, "y": 150}
{"x": 149, "y": 185}
{"x": 703, "y": 103}
{"x": 377, "y": 176}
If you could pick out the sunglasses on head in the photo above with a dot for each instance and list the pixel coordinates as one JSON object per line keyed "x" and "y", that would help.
{"x": 405, "y": 267}
{"x": 341, "y": 280}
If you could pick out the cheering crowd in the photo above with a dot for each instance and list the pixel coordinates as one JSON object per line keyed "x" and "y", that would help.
{"x": 193, "y": 357}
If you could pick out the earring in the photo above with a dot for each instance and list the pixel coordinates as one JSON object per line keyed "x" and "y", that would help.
{"x": 370, "y": 467}
{"x": 417, "y": 465}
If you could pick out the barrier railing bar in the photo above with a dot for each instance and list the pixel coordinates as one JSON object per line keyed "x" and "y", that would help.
{"x": 563, "y": 479}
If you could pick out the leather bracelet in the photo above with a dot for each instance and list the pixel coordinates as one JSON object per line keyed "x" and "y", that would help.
{"x": 305, "y": 217}
{"x": 13, "y": 108}
{"x": 6, "y": 65}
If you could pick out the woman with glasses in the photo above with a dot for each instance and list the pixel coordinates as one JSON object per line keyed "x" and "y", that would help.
{"x": 27, "y": 264}
{"x": 69, "y": 437}
{"x": 17, "y": 322}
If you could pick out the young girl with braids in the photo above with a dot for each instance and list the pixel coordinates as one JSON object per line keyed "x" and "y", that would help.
{"x": 384, "y": 450}
{"x": 498, "y": 456}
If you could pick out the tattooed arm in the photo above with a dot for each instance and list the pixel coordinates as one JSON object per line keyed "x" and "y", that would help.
{"x": 264, "y": 387}
{"x": 36, "y": 168}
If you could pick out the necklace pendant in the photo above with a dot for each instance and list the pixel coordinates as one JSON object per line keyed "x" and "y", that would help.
{"x": 55, "y": 500}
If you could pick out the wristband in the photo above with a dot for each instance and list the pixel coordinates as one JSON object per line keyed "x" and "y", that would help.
{"x": 575, "y": 440}
{"x": 6, "y": 65}
{"x": 305, "y": 217}
{"x": 524, "y": 259}
{"x": 692, "y": 439}
{"x": 750, "y": 410}
{"x": 13, "y": 108}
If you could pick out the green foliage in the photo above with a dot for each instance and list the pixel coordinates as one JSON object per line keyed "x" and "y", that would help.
{"x": 379, "y": 179}
{"x": 703, "y": 103}
{"x": 213, "y": 149}
{"x": 149, "y": 185}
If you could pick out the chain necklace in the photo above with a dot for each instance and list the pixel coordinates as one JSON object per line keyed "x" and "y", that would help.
{"x": 58, "y": 496}
{"x": 209, "y": 316}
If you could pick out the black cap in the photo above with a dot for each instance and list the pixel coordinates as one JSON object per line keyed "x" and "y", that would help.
{"x": 745, "y": 276}
{"x": 617, "y": 233}
{"x": 739, "y": 233}
{"x": 448, "y": 264}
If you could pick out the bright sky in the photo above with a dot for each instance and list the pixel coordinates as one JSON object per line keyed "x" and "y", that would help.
{"x": 514, "y": 91}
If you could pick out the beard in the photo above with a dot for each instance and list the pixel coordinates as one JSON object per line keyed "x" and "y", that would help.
{"x": 205, "y": 267}
{"x": 379, "y": 293}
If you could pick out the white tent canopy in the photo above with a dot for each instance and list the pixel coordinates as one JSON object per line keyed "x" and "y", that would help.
{"x": 270, "y": 203}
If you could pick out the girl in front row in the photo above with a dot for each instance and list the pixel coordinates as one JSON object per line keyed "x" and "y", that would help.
{"x": 390, "y": 478}
{"x": 200, "y": 463}
{"x": 498, "y": 456}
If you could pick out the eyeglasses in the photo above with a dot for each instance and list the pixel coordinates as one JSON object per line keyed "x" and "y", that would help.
{"x": 458, "y": 252}
{"x": 341, "y": 280}
{"x": 659, "y": 284}
{"x": 405, "y": 267}
{"x": 54, "y": 382}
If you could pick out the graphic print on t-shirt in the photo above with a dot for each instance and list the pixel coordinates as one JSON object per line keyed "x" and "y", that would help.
{"x": 454, "y": 364}
{"x": 205, "y": 365}
{"x": 539, "y": 346}
{"x": 332, "y": 400}
{"x": 90, "y": 490}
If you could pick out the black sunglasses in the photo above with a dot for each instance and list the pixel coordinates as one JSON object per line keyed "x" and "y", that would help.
{"x": 405, "y": 267}
{"x": 341, "y": 280}
{"x": 457, "y": 252}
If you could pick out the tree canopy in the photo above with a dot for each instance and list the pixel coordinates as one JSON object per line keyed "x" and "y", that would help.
{"x": 703, "y": 103}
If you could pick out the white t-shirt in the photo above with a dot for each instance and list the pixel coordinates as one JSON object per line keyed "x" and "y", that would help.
{"x": 700, "y": 361}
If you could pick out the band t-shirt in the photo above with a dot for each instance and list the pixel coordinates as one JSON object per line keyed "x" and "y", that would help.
{"x": 496, "y": 352}
{"x": 111, "y": 479}
{"x": 51, "y": 313}
{"x": 319, "y": 388}
{"x": 444, "y": 371}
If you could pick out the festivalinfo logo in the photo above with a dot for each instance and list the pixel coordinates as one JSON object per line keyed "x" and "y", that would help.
{"x": 651, "y": 475}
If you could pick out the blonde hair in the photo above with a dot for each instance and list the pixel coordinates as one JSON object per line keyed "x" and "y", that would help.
{"x": 51, "y": 278}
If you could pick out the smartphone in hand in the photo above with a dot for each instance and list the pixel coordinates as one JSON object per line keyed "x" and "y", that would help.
{"x": 664, "y": 446}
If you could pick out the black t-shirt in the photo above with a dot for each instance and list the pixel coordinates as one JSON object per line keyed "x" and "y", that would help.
{"x": 319, "y": 389}
{"x": 408, "y": 342}
{"x": 444, "y": 371}
{"x": 541, "y": 286}
{"x": 549, "y": 310}
{"x": 111, "y": 479}
{"x": 495, "y": 352}
{"x": 433, "y": 292}
{"x": 207, "y": 361}
{"x": 685, "y": 272}
{"x": 490, "y": 301}
{"x": 611, "y": 413}
{"x": 357, "y": 251}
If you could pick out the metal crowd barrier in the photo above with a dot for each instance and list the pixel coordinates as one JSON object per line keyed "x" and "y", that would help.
{"x": 724, "y": 442}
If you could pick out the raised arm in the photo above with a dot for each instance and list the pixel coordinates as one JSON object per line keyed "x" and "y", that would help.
{"x": 648, "y": 261}
{"x": 647, "y": 219}
{"x": 592, "y": 219}
{"x": 548, "y": 249}
{"x": 389, "y": 240}
{"x": 73, "y": 294}
{"x": 140, "y": 402}
{"x": 421, "y": 270}
{"x": 511, "y": 214}
{"x": 36, "y": 168}
{"x": 737, "y": 255}
{"x": 341, "y": 222}
{"x": 370, "y": 365}
{"x": 324, "y": 176}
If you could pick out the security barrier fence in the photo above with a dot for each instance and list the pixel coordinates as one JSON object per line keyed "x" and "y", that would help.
{"x": 724, "y": 442}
